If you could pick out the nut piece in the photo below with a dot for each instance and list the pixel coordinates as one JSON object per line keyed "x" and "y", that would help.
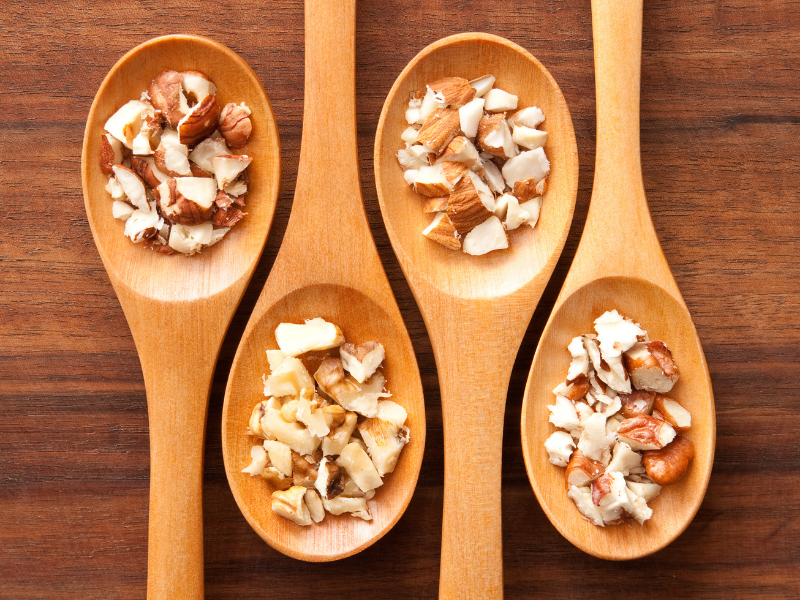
{"x": 235, "y": 125}
{"x": 331, "y": 380}
{"x": 166, "y": 94}
{"x": 359, "y": 467}
{"x": 489, "y": 235}
{"x": 276, "y": 479}
{"x": 304, "y": 470}
{"x": 291, "y": 504}
{"x": 637, "y": 403}
{"x": 455, "y": 90}
{"x": 315, "y": 334}
{"x": 527, "y": 189}
{"x": 361, "y": 361}
{"x": 258, "y": 462}
{"x": 339, "y": 437}
{"x": 187, "y": 200}
{"x": 329, "y": 482}
{"x": 559, "y": 447}
{"x": 110, "y": 153}
{"x": 645, "y": 433}
{"x": 200, "y": 122}
{"x": 259, "y": 412}
{"x": 432, "y": 181}
{"x": 494, "y": 137}
{"x": 582, "y": 470}
{"x": 439, "y": 129}
{"x": 315, "y": 507}
{"x": 228, "y": 168}
{"x": 443, "y": 231}
{"x": 673, "y": 413}
{"x": 433, "y": 205}
{"x": 280, "y": 455}
{"x": 666, "y": 466}
{"x": 465, "y": 207}
{"x": 355, "y": 506}
{"x": 385, "y": 441}
{"x": 460, "y": 149}
{"x": 651, "y": 367}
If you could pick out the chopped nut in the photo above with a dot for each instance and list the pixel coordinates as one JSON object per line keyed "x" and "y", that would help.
{"x": 668, "y": 464}
{"x": 259, "y": 461}
{"x": 199, "y": 122}
{"x": 276, "y": 479}
{"x": 637, "y": 403}
{"x": 456, "y": 91}
{"x": 165, "y": 93}
{"x": 304, "y": 470}
{"x": 361, "y": 361}
{"x": 559, "y": 447}
{"x": 359, "y": 467}
{"x": 443, "y": 231}
{"x": 280, "y": 455}
{"x": 645, "y": 433}
{"x": 465, "y": 207}
{"x": 489, "y": 235}
{"x": 339, "y": 437}
{"x": 314, "y": 504}
{"x": 673, "y": 412}
{"x": 439, "y": 129}
{"x": 235, "y": 125}
{"x": 494, "y": 137}
{"x": 432, "y": 205}
{"x": 651, "y": 367}
{"x": 291, "y": 504}
{"x": 110, "y": 153}
{"x": 499, "y": 101}
{"x": 582, "y": 470}
{"x": 314, "y": 334}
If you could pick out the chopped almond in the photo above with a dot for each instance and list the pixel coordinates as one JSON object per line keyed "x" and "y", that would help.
{"x": 442, "y": 230}
{"x": 439, "y": 129}
{"x": 456, "y": 90}
{"x": 465, "y": 208}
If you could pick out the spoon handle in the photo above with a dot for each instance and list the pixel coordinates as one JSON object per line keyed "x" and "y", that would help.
{"x": 619, "y": 238}
{"x": 474, "y": 346}
{"x": 178, "y": 355}
{"x": 328, "y": 238}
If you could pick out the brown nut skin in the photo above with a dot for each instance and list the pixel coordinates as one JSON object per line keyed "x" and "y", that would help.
{"x": 600, "y": 487}
{"x": 201, "y": 122}
{"x": 578, "y": 388}
{"x": 441, "y": 126}
{"x": 165, "y": 96}
{"x": 632, "y": 403}
{"x": 643, "y": 432}
{"x": 145, "y": 171}
{"x": 274, "y": 479}
{"x": 190, "y": 213}
{"x": 106, "y": 156}
{"x": 667, "y": 465}
{"x": 304, "y": 473}
{"x": 581, "y": 469}
{"x": 235, "y": 125}
{"x": 456, "y": 90}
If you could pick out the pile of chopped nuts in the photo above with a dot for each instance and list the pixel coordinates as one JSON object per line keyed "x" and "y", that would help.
{"x": 478, "y": 159}
{"x": 172, "y": 175}
{"x": 628, "y": 433}
{"x": 325, "y": 447}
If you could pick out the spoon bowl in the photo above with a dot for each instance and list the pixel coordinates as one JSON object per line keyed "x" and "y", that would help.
{"x": 179, "y": 308}
{"x": 361, "y": 319}
{"x": 619, "y": 265}
{"x": 476, "y": 308}
{"x": 531, "y": 250}
{"x": 664, "y": 319}
{"x": 327, "y": 267}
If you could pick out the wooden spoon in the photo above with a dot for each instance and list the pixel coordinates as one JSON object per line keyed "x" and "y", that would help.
{"x": 327, "y": 267}
{"x": 619, "y": 264}
{"x": 178, "y": 308}
{"x": 476, "y": 308}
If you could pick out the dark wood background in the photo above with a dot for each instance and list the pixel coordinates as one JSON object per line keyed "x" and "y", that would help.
{"x": 720, "y": 122}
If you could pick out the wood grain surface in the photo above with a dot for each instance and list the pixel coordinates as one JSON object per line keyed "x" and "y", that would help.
{"x": 720, "y": 126}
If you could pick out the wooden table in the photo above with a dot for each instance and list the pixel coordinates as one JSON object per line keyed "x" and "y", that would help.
{"x": 720, "y": 129}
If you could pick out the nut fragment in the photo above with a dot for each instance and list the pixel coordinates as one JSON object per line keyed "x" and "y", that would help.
{"x": 443, "y": 231}
{"x": 110, "y": 153}
{"x": 235, "y": 125}
{"x": 291, "y": 504}
{"x": 638, "y": 402}
{"x": 582, "y": 470}
{"x": 165, "y": 93}
{"x": 361, "y": 361}
{"x": 439, "y": 129}
{"x": 651, "y": 367}
{"x": 645, "y": 433}
{"x": 200, "y": 122}
{"x": 668, "y": 464}
{"x": 465, "y": 207}
{"x": 456, "y": 91}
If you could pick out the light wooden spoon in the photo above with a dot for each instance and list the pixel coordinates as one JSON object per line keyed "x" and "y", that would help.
{"x": 179, "y": 308}
{"x": 327, "y": 267}
{"x": 619, "y": 264}
{"x": 476, "y": 308}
